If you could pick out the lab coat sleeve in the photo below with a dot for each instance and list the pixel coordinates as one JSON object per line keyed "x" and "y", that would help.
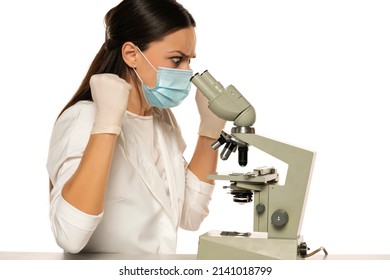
{"x": 72, "y": 228}
{"x": 196, "y": 200}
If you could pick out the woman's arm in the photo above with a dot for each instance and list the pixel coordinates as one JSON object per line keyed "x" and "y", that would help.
{"x": 70, "y": 146}
{"x": 198, "y": 188}
{"x": 204, "y": 160}
{"x": 79, "y": 163}
{"x": 85, "y": 190}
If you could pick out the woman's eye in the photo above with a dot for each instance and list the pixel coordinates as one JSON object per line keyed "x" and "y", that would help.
{"x": 176, "y": 60}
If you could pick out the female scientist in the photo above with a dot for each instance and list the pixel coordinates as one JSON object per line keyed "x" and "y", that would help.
{"x": 119, "y": 182}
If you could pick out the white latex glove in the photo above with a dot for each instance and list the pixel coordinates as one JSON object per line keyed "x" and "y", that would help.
{"x": 210, "y": 125}
{"x": 110, "y": 94}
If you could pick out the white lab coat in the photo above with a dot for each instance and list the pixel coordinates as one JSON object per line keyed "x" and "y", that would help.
{"x": 143, "y": 209}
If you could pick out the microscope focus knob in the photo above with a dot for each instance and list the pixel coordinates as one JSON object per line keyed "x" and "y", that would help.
{"x": 260, "y": 208}
{"x": 279, "y": 218}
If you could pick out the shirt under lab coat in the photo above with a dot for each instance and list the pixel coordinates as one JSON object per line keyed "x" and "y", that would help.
{"x": 150, "y": 192}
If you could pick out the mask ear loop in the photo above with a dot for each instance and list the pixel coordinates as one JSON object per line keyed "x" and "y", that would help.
{"x": 136, "y": 73}
{"x": 146, "y": 59}
{"x": 139, "y": 89}
{"x": 157, "y": 112}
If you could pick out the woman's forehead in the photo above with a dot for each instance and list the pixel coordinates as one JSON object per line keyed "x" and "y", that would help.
{"x": 182, "y": 41}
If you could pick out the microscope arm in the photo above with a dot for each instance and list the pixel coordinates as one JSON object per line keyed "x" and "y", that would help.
{"x": 292, "y": 196}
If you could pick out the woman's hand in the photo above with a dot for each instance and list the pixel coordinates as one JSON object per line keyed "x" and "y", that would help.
{"x": 210, "y": 125}
{"x": 110, "y": 94}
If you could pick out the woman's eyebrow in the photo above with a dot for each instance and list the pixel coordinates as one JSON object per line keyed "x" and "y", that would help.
{"x": 183, "y": 54}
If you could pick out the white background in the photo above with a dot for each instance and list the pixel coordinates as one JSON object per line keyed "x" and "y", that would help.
{"x": 317, "y": 73}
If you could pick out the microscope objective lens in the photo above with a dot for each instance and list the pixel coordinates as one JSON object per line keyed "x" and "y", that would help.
{"x": 242, "y": 156}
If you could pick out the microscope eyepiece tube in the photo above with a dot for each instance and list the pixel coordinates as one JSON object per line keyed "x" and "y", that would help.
{"x": 206, "y": 89}
{"x": 227, "y": 104}
{"x": 210, "y": 80}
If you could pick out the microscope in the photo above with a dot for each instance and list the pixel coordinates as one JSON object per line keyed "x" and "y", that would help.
{"x": 278, "y": 209}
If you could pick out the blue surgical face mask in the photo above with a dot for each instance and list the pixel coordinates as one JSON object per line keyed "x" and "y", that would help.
{"x": 172, "y": 87}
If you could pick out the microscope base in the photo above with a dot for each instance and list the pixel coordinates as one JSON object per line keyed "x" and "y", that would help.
{"x": 213, "y": 246}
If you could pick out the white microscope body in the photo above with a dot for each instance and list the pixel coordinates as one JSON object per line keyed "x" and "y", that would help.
{"x": 278, "y": 209}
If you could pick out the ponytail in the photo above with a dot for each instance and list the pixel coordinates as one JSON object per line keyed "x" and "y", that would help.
{"x": 105, "y": 61}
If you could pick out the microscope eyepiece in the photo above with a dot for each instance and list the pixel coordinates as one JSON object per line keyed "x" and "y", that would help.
{"x": 193, "y": 76}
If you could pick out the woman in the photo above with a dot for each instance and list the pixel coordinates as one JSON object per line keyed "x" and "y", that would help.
{"x": 118, "y": 179}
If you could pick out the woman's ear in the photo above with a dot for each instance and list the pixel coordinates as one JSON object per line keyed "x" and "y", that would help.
{"x": 129, "y": 54}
